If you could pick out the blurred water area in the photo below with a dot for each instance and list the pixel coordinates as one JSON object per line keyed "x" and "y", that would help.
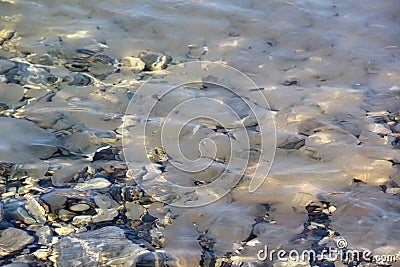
{"x": 330, "y": 71}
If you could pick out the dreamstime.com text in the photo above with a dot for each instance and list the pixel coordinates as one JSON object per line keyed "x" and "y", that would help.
{"x": 330, "y": 254}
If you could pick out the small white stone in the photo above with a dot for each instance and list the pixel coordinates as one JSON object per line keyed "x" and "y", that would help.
{"x": 42, "y": 253}
{"x": 65, "y": 230}
{"x": 332, "y": 209}
{"x": 312, "y": 227}
{"x": 318, "y": 225}
{"x": 394, "y": 190}
{"x": 253, "y": 242}
{"x": 326, "y": 211}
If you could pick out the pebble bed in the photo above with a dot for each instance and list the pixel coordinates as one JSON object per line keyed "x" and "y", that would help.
{"x": 68, "y": 198}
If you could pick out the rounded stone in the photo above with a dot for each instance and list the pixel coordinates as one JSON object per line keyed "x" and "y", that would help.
{"x": 6, "y": 65}
{"x": 79, "y": 207}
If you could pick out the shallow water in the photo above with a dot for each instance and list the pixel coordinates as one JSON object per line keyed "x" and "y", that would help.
{"x": 329, "y": 70}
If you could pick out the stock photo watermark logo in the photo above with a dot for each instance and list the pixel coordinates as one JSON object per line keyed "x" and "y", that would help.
{"x": 192, "y": 132}
{"x": 340, "y": 252}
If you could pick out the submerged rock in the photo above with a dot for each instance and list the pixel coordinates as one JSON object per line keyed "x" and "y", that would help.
{"x": 133, "y": 64}
{"x": 13, "y": 240}
{"x": 45, "y": 235}
{"x": 107, "y": 210}
{"x": 154, "y": 61}
{"x": 23, "y": 141}
{"x": 6, "y": 65}
{"x": 107, "y": 246}
{"x": 133, "y": 210}
{"x": 181, "y": 240}
{"x": 14, "y": 210}
{"x": 6, "y": 35}
{"x": 95, "y": 183}
{"x": 64, "y": 230}
{"x": 66, "y": 215}
{"x": 54, "y": 200}
{"x": 10, "y": 94}
{"x": 79, "y": 207}
{"x": 36, "y": 210}
{"x": 366, "y": 217}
